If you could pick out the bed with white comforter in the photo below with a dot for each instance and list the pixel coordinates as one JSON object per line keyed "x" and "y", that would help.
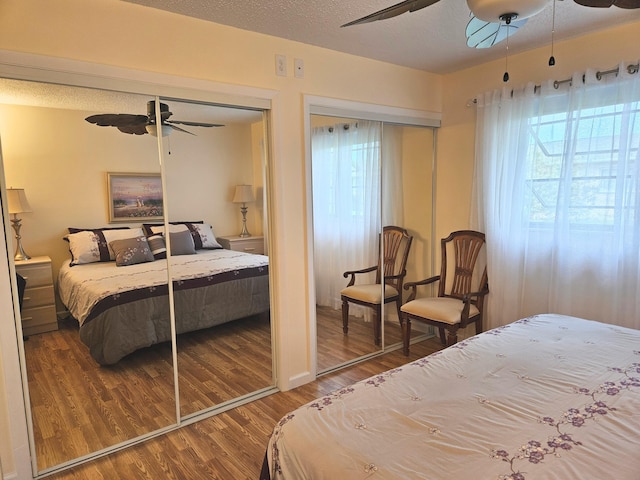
{"x": 547, "y": 397}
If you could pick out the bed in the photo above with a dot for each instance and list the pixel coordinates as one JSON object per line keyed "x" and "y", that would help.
{"x": 122, "y": 309}
{"x": 547, "y": 397}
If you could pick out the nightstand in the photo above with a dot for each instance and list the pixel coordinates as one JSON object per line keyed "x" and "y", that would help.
{"x": 39, "y": 304}
{"x": 243, "y": 244}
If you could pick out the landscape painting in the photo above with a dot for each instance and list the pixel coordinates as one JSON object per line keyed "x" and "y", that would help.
{"x": 134, "y": 197}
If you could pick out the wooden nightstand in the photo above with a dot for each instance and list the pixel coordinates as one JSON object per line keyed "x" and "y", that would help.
{"x": 39, "y": 304}
{"x": 243, "y": 244}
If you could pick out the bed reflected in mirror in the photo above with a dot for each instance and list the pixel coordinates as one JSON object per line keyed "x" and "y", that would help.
{"x": 90, "y": 388}
{"x": 220, "y": 279}
{"x": 100, "y": 373}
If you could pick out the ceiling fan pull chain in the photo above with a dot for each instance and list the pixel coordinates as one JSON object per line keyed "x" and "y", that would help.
{"x": 505, "y": 77}
{"x": 552, "y": 59}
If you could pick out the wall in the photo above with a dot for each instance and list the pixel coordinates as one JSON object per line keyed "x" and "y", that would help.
{"x": 456, "y": 139}
{"x": 116, "y": 33}
{"x": 111, "y": 32}
{"x": 61, "y": 161}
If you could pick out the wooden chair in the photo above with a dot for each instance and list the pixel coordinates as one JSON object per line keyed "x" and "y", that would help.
{"x": 396, "y": 243}
{"x": 458, "y": 303}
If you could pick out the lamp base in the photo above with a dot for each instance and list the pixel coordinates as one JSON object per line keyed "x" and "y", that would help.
{"x": 20, "y": 253}
{"x": 244, "y": 233}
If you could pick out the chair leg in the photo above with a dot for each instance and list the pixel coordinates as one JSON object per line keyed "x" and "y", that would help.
{"x": 345, "y": 317}
{"x": 479, "y": 325}
{"x": 405, "y": 322}
{"x": 443, "y": 339}
{"x": 453, "y": 335}
{"x": 377, "y": 325}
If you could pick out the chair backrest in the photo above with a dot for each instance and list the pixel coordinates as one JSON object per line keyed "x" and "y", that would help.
{"x": 396, "y": 243}
{"x": 457, "y": 277}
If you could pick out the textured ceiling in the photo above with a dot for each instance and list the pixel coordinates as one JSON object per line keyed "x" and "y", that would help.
{"x": 88, "y": 100}
{"x": 431, "y": 39}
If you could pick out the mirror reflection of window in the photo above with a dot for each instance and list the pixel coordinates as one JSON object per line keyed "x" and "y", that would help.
{"x": 365, "y": 175}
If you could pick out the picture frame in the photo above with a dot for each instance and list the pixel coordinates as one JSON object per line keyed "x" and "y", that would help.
{"x": 134, "y": 197}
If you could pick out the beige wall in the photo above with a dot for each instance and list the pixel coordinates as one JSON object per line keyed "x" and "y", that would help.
{"x": 112, "y": 32}
{"x": 455, "y": 154}
{"x": 116, "y": 33}
{"x": 62, "y": 162}
{"x": 603, "y": 50}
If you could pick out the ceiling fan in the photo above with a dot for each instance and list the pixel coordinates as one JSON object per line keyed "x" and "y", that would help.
{"x": 491, "y": 20}
{"x": 142, "y": 124}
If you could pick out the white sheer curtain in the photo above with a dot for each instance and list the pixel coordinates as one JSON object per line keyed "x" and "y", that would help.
{"x": 556, "y": 188}
{"x": 346, "y": 203}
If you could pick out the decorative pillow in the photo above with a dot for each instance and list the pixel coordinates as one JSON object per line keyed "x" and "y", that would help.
{"x": 92, "y": 245}
{"x": 203, "y": 236}
{"x": 182, "y": 243}
{"x": 131, "y": 251}
{"x": 147, "y": 227}
{"x": 157, "y": 246}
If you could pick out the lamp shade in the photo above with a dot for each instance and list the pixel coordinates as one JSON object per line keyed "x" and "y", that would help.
{"x": 17, "y": 200}
{"x": 243, "y": 194}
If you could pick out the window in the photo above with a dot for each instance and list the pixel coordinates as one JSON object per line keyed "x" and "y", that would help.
{"x": 583, "y": 165}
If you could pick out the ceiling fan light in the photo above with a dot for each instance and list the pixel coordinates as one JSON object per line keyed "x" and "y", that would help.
{"x": 492, "y": 10}
{"x": 153, "y": 130}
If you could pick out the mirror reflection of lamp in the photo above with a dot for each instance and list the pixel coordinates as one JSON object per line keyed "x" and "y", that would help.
{"x": 244, "y": 195}
{"x": 18, "y": 204}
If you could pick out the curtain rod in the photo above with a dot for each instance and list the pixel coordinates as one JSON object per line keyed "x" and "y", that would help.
{"x": 631, "y": 69}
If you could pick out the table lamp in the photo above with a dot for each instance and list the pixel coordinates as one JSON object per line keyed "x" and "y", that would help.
{"x": 18, "y": 204}
{"x": 243, "y": 195}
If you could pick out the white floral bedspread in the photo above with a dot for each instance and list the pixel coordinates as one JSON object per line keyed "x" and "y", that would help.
{"x": 81, "y": 287}
{"x": 547, "y": 397}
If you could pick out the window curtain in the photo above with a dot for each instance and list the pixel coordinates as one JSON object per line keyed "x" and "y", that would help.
{"x": 346, "y": 181}
{"x": 556, "y": 192}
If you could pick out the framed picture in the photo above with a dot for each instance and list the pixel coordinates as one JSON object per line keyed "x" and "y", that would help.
{"x": 134, "y": 197}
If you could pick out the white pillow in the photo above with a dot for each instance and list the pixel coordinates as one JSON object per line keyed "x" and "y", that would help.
{"x": 90, "y": 246}
{"x": 202, "y": 233}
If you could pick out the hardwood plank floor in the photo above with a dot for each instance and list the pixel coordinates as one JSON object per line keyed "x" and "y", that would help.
{"x": 231, "y": 445}
{"x": 79, "y": 407}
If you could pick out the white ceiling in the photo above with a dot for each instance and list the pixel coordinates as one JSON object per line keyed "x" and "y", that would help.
{"x": 89, "y": 100}
{"x": 431, "y": 39}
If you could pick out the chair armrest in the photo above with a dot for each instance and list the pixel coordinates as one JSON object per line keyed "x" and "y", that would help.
{"x": 413, "y": 286}
{"x": 464, "y": 317}
{"x": 353, "y": 274}
{"x": 467, "y": 298}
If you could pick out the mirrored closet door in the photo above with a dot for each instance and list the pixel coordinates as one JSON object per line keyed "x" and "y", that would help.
{"x": 222, "y": 313}
{"x": 103, "y": 311}
{"x": 365, "y": 175}
{"x": 83, "y": 396}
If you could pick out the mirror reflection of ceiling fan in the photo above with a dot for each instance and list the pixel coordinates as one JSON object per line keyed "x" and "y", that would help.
{"x": 491, "y": 20}
{"x": 142, "y": 124}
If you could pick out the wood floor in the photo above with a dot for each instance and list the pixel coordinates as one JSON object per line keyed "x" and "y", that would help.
{"x": 231, "y": 445}
{"x": 79, "y": 407}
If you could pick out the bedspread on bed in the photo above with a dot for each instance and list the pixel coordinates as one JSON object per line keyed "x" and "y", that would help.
{"x": 123, "y": 309}
{"x": 547, "y": 397}
{"x": 83, "y": 287}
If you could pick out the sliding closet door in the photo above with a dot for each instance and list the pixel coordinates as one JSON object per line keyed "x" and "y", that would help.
{"x": 88, "y": 389}
{"x": 407, "y": 179}
{"x": 220, "y": 281}
{"x": 365, "y": 175}
{"x": 346, "y": 183}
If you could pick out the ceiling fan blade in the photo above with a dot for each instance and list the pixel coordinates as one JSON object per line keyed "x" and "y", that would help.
{"x": 138, "y": 129}
{"x": 117, "y": 119}
{"x": 193, "y": 124}
{"x": 174, "y": 127}
{"x": 393, "y": 11}
{"x": 608, "y": 3}
{"x": 481, "y": 34}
